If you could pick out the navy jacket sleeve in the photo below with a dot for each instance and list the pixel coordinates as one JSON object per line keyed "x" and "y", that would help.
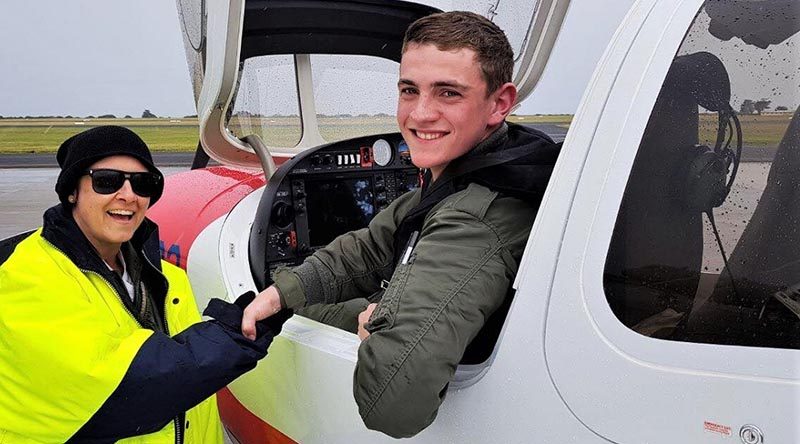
{"x": 169, "y": 375}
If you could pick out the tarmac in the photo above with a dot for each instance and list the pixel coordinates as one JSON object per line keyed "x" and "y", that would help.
{"x": 26, "y": 193}
{"x": 48, "y": 160}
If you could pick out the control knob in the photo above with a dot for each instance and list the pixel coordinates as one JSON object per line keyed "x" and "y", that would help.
{"x": 282, "y": 215}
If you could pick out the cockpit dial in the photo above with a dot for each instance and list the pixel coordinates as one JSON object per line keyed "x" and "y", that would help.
{"x": 382, "y": 152}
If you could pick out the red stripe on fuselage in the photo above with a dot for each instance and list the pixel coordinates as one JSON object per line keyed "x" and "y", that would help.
{"x": 246, "y": 427}
{"x": 193, "y": 199}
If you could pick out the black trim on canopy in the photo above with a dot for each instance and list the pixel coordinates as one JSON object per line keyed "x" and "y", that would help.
{"x": 363, "y": 27}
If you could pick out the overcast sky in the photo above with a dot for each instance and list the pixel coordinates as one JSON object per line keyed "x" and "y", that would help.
{"x": 92, "y": 57}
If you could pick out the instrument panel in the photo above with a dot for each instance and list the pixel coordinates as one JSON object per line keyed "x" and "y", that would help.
{"x": 325, "y": 192}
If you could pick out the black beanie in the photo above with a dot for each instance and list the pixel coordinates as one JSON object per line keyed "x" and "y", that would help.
{"x": 80, "y": 151}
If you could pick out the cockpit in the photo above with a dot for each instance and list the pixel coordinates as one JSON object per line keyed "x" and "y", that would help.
{"x": 313, "y": 85}
{"x": 704, "y": 248}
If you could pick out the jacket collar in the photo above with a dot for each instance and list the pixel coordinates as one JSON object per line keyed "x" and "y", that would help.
{"x": 492, "y": 143}
{"x": 514, "y": 160}
{"x": 61, "y": 230}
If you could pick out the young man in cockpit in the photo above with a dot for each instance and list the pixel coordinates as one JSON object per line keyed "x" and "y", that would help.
{"x": 438, "y": 262}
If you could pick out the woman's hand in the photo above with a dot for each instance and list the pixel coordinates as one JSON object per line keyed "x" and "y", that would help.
{"x": 266, "y": 304}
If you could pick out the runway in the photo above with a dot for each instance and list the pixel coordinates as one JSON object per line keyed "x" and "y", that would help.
{"x": 557, "y": 132}
{"x": 48, "y": 160}
{"x": 26, "y": 193}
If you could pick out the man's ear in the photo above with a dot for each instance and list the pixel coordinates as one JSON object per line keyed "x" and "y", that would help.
{"x": 503, "y": 100}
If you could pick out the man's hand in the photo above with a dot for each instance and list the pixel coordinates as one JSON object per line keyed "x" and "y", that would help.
{"x": 266, "y": 304}
{"x": 363, "y": 318}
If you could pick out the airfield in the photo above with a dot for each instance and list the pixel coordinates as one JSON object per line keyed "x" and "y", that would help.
{"x": 180, "y": 135}
{"x": 28, "y": 168}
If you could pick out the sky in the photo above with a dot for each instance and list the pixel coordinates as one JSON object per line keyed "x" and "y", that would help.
{"x": 93, "y": 57}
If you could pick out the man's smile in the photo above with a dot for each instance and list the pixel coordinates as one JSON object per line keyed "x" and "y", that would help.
{"x": 429, "y": 135}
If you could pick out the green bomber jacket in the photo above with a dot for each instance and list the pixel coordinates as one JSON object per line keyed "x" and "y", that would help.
{"x": 433, "y": 304}
{"x": 457, "y": 275}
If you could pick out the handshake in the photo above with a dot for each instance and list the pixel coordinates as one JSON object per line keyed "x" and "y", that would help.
{"x": 267, "y": 307}
{"x": 232, "y": 318}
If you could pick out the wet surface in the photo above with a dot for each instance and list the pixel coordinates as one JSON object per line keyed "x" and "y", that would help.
{"x": 25, "y": 193}
{"x": 48, "y": 160}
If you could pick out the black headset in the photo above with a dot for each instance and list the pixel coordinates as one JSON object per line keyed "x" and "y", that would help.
{"x": 706, "y": 180}
{"x": 706, "y": 177}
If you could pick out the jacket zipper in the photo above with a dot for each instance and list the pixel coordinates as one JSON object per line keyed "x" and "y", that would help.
{"x": 110, "y": 285}
{"x": 178, "y": 419}
{"x": 179, "y": 428}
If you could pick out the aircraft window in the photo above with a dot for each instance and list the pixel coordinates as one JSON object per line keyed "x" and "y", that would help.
{"x": 268, "y": 109}
{"x": 355, "y": 95}
{"x": 667, "y": 275}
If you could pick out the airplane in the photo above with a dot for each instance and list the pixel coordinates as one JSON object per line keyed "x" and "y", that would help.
{"x": 657, "y": 299}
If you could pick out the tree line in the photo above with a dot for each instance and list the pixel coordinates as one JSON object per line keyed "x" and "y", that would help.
{"x": 750, "y": 106}
{"x": 146, "y": 114}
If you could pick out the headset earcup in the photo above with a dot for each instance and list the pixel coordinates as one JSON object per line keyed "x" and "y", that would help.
{"x": 706, "y": 174}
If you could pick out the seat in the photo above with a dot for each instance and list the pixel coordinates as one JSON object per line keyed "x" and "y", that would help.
{"x": 766, "y": 260}
{"x": 653, "y": 267}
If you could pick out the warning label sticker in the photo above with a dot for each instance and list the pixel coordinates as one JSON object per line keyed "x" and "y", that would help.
{"x": 716, "y": 428}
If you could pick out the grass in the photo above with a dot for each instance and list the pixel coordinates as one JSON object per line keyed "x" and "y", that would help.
{"x": 757, "y": 130}
{"x": 563, "y": 120}
{"x": 45, "y": 135}
{"x": 20, "y": 136}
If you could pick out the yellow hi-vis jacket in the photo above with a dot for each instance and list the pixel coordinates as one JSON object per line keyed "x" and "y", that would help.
{"x": 66, "y": 342}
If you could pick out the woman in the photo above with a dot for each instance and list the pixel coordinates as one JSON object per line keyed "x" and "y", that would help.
{"x": 100, "y": 340}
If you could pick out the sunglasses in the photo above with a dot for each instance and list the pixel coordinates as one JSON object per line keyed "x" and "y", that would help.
{"x": 106, "y": 181}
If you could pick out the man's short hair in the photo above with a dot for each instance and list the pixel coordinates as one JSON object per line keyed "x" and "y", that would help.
{"x": 460, "y": 29}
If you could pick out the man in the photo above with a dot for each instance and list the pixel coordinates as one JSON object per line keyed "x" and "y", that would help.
{"x": 445, "y": 254}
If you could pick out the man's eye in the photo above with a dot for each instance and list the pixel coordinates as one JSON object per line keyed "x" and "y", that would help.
{"x": 408, "y": 91}
{"x": 448, "y": 93}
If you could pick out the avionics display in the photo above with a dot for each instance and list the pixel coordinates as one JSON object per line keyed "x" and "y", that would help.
{"x": 323, "y": 193}
{"x": 338, "y": 206}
